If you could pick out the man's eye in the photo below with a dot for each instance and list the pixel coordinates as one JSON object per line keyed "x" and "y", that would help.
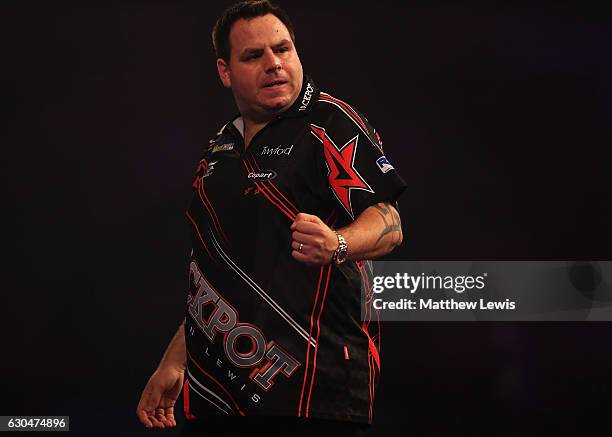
{"x": 251, "y": 57}
{"x": 283, "y": 49}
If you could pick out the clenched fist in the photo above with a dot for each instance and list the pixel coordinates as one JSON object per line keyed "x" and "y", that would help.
{"x": 313, "y": 242}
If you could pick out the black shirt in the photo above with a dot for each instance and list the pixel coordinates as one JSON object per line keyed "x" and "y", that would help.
{"x": 267, "y": 335}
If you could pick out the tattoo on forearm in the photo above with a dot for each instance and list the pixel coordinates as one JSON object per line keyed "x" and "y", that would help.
{"x": 384, "y": 213}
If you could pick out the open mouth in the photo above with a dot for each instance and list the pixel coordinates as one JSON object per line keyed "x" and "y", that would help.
{"x": 275, "y": 83}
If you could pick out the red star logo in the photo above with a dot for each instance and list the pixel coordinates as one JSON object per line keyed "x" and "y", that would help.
{"x": 343, "y": 177}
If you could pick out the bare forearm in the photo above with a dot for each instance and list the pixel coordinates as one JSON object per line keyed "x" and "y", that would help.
{"x": 175, "y": 355}
{"x": 376, "y": 232}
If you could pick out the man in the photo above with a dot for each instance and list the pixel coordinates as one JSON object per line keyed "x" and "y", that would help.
{"x": 288, "y": 198}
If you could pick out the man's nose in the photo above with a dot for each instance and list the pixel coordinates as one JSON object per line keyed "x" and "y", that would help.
{"x": 271, "y": 61}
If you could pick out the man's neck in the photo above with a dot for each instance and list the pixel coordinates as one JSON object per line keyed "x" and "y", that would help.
{"x": 251, "y": 128}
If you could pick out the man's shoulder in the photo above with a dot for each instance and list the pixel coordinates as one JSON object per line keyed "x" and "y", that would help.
{"x": 225, "y": 137}
{"x": 328, "y": 103}
{"x": 333, "y": 113}
{"x": 226, "y": 129}
{"x": 336, "y": 110}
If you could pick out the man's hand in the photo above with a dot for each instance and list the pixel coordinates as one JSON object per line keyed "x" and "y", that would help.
{"x": 156, "y": 406}
{"x": 314, "y": 243}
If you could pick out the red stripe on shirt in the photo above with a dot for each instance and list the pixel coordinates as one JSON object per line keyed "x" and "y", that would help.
{"x": 211, "y": 211}
{"x": 199, "y": 234}
{"x": 188, "y": 414}
{"x": 371, "y": 346}
{"x": 288, "y": 203}
{"x": 314, "y": 306}
{"x": 204, "y": 372}
{"x": 351, "y": 112}
{"x": 273, "y": 200}
{"x": 314, "y": 366}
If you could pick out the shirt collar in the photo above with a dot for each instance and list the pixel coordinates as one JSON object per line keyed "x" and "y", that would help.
{"x": 305, "y": 101}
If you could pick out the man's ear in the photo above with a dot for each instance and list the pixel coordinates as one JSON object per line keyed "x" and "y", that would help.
{"x": 224, "y": 73}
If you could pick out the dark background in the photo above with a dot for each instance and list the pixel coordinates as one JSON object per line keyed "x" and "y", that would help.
{"x": 498, "y": 117}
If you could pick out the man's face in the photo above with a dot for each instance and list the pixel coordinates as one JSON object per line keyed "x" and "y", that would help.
{"x": 264, "y": 70}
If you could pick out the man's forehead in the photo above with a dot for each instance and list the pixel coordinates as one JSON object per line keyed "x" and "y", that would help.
{"x": 258, "y": 32}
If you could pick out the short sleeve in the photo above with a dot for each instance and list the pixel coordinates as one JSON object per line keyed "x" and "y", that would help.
{"x": 357, "y": 171}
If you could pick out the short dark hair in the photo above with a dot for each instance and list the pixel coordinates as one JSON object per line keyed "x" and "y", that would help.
{"x": 247, "y": 10}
